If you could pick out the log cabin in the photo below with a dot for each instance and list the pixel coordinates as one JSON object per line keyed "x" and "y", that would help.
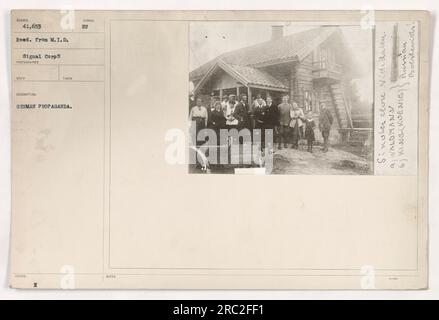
{"x": 311, "y": 66}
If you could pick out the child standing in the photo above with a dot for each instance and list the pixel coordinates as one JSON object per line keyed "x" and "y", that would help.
{"x": 309, "y": 130}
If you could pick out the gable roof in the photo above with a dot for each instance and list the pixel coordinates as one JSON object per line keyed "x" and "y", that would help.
{"x": 257, "y": 77}
{"x": 288, "y": 48}
{"x": 248, "y": 76}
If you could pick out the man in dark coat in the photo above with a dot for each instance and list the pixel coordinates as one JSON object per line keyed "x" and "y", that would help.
{"x": 211, "y": 108}
{"x": 325, "y": 123}
{"x": 217, "y": 121}
{"x": 266, "y": 118}
{"x": 271, "y": 117}
{"x": 243, "y": 115}
{"x": 244, "y": 112}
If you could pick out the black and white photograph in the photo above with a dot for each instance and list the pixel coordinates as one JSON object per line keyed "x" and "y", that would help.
{"x": 281, "y": 98}
{"x": 224, "y": 153}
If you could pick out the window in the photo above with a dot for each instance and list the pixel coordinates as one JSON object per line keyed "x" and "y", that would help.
{"x": 307, "y": 100}
{"x": 327, "y": 58}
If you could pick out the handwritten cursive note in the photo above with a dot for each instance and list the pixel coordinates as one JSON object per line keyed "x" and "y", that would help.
{"x": 396, "y": 98}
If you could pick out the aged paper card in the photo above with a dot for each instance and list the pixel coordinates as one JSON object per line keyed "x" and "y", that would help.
{"x": 219, "y": 150}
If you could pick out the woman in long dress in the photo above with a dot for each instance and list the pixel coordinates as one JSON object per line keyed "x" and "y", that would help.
{"x": 217, "y": 120}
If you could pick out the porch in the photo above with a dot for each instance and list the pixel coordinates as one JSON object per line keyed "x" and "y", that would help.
{"x": 225, "y": 79}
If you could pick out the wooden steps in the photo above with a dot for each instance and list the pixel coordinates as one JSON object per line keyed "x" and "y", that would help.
{"x": 341, "y": 109}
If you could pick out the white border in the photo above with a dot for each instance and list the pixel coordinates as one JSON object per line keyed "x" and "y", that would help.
{"x": 7, "y": 5}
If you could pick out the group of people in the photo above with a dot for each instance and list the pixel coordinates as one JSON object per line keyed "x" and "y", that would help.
{"x": 288, "y": 121}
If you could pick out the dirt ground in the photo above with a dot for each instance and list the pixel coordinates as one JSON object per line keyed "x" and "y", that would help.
{"x": 339, "y": 160}
{"x": 335, "y": 162}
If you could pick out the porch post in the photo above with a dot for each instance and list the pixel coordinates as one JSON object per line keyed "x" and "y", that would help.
{"x": 249, "y": 95}
{"x": 221, "y": 94}
{"x": 237, "y": 93}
